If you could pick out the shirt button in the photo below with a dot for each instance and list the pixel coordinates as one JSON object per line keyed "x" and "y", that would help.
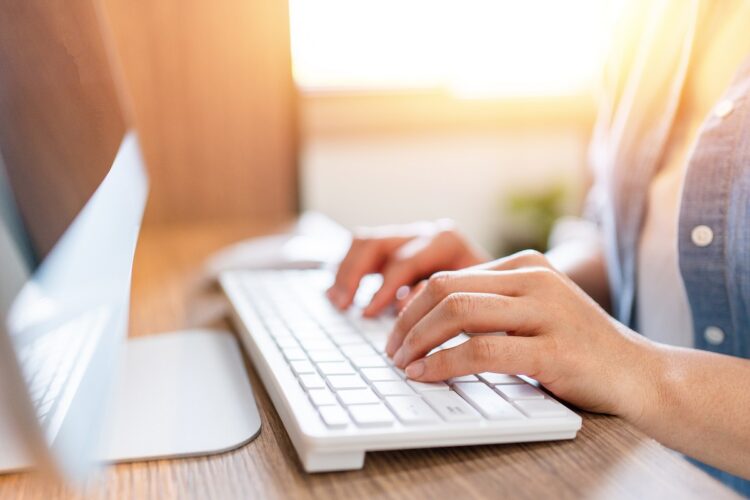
{"x": 723, "y": 108}
{"x": 714, "y": 335}
{"x": 702, "y": 236}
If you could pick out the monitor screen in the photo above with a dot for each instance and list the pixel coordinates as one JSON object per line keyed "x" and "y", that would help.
{"x": 72, "y": 193}
{"x": 16, "y": 244}
{"x": 61, "y": 121}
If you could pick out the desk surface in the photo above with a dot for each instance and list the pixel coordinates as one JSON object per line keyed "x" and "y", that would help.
{"x": 608, "y": 459}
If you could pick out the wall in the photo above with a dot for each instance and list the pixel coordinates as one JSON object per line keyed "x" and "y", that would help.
{"x": 372, "y": 160}
{"x": 213, "y": 101}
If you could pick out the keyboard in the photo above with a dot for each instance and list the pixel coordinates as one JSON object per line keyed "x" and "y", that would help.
{"x": 340, "y": 396}
{"x": 53, "y": 364}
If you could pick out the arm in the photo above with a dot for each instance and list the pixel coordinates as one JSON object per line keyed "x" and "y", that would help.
{"x": 698, "y": 404}
{"x": 693, "y": 401}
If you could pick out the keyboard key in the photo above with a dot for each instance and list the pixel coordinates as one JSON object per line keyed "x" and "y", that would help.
{"x": 412, "y": 410}
{"x": 374, "y": 415}
{"x": 355, "y": 351}
{"x": 455, "y": 341}
{"x": 450, "y": 406}
{"x": 542, "y": 408}
{"x": 322, "y": 397}
{"x": 367, "y": 325}
{"x": 294, "y": 353}
{"x": 311, "y": 336}
{"x": 311, "y": 381}
{"x": 369, "y": 362}
{"x": 379, "y": 374}
{"x": 286, "y": 342}
{"x": 317, "y": 344}
{"x": 336, "y": 368}
{"x": 463, "y": 378}
{"x": 427, "y": 386}
{"x": 302, "y": 366}
{"x": 520, "y": 391}
{"x": 488, "y": 402}
{"x": 339, "y": 328}
{"x": 323, "y": 356}
{"x": 347, "y": 340}
{"x": 357, "y": 396}
{"x": 338, "y": 382}
{"x": 304, "y": 327}
{"x": 399, "y": 388}
{"x": 499, "y": 378}
{"x": 380, "y": 343}
{"x": 276, "y": 327}
{"x": 334, "y": 416}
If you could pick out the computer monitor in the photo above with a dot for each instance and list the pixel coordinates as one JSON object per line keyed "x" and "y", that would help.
{"x": 72, "y": 194}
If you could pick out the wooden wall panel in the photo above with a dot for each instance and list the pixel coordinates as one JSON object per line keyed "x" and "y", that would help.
{"x": 214, "y": 103}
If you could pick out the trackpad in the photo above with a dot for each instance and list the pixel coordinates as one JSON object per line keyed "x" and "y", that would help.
{"x": 180, "y": 394}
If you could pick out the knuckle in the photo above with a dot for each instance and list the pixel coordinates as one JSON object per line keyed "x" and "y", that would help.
{"x": 359, "y": 240}
{"x": 448, "y": 234}
{"x": 439, "y": 283}
{"x": 407, "y": 342}
{"x": 535, "y": 357}
{"x": 532, "y": 257}
{"x": 544, "y": 275}
{"x": 457, "y": 305}
{"x": 482, "y": 350}
{"x": 410, "y": 341}
{"x": 440, "y": 362}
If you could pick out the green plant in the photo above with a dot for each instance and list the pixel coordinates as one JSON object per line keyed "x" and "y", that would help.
{"x": 531, "y": 215}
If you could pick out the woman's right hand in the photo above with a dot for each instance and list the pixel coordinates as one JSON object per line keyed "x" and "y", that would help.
{"x": 404, "y": 255}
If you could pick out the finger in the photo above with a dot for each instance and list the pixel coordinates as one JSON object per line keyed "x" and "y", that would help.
{"x": 511, "y": 355}
{"x": 402, "y": 300}
{"x": 395, "y": 275}
{"x": 364, "y": 257}
{"x": 525, "y": 258}
{"x": 416, "y": 259}
{"x": 440, "y": 285}
{"x": 465, "y": 312}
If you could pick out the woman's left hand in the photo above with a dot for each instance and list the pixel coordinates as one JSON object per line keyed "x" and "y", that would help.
{"x": 556, "y": 334}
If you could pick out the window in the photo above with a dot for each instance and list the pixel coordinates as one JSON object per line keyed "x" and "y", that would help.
{"x": 471, "y": 48}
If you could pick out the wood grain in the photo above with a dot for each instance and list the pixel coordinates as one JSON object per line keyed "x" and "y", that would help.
{"x": 608, "y": 459}
{"x": 214, "y": 103}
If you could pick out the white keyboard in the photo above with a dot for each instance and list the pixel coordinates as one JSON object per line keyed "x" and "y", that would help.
{"x": 339, "y": 395}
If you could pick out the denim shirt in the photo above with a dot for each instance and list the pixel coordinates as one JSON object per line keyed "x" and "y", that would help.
{"x": 714, "y": 218}
{"x": 714, "y": 233}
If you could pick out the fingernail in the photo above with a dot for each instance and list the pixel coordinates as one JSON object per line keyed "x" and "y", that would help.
{"x": 398, "y": 358}
{"x": 415, "y": 370}
{"x": 339, "y": 300}
{"x": 390, "y": 347}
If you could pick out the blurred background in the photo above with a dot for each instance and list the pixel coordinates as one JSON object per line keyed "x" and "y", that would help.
{"x": 371, "y": 111}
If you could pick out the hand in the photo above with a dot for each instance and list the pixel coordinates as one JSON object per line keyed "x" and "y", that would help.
{"x": 403, "y": 255}
{"x": 556, "y": 334}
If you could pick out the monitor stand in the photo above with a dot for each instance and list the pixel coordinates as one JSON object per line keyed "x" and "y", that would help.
{"x": 180, "y": 394}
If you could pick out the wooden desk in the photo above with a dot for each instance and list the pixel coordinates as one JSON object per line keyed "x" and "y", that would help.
{"x": 608, "y": 459}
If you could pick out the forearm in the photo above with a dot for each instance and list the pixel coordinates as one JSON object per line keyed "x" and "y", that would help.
{"x": 698, "y": 403}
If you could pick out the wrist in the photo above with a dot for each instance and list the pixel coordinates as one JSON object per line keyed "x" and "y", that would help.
{"x": 645, "y": 373}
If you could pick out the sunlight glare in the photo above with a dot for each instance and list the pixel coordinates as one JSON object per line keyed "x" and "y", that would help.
{"x": 472, "y": 48}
